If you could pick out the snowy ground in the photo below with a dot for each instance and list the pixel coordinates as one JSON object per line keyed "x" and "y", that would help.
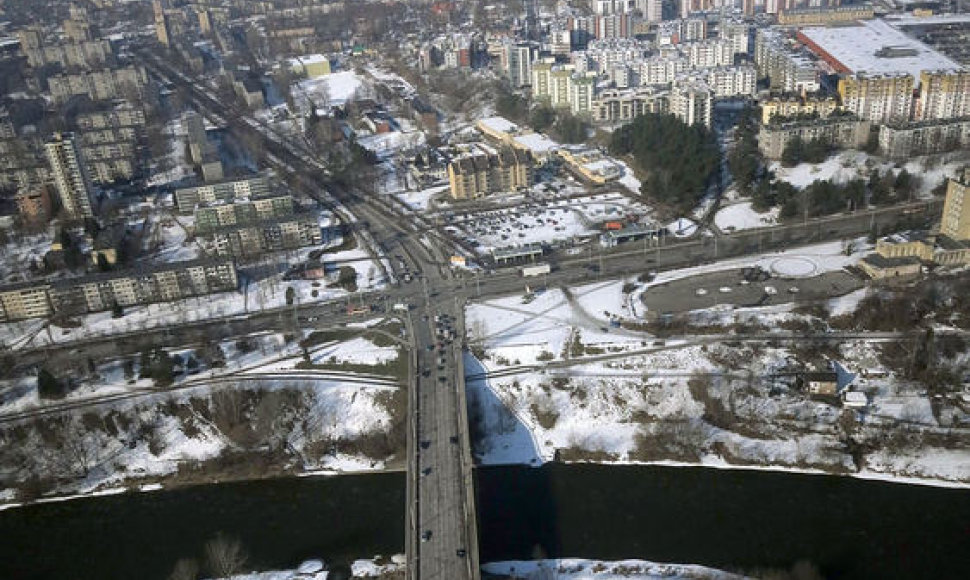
{"x": 577, "y": 569}
{"x": 741, "y": 216}
{"x": 256, "y": 394}
{"x": 420, "y": 200}
{"x": 334, "y": 89}
{"x": 556, "y": 379}
{"x": 316, "y": 570}
{"x": 849, "y": 165}
{"x": 20, "y": 254}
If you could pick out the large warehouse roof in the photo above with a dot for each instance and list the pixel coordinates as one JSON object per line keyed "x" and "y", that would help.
{"x": 874, "y": 48}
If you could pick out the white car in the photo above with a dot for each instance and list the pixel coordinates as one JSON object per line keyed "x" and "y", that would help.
{"x": 724, "y": 289}
{"x": 700, "y": 292}
{"x": 793, "y": 289}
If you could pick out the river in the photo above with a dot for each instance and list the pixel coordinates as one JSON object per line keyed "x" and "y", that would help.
{"x": 131, "y": 536}
{"x": 731, "y": 519}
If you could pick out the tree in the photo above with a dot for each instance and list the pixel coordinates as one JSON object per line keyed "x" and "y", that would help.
{"x": 224, "y": 556}
{"x": 49, "y": 386}
{"x": 793, "y": 152}
{"x": 542, "y": 117}
{"x": 679, "y": 160}
{"x": 117, "y": 311}
{"x": 571, "y": 129}
{"x": 290, "y": 295}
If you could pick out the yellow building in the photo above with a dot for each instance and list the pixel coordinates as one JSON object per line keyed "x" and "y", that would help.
{"x": 878, "y": 98}
{"x": 943, "y": 95}
{"x": 791, "y": 106}
{"x": 591, "y": 165}
{"x": 955, "y": 222}
{"x": 312, "y": 65}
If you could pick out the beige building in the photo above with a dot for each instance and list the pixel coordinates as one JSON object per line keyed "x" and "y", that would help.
{"x": 187, "y": 198}
{"x": 485, "y": 171}
{"x": 623, "y": 105}
{"x": 878, "y": 98}
{"x": 878, "y": 267}
{"x": 22, "y": 301}
{"x": 902, "y": 140}
{"x": 71, "y": 178}
{"x": 823, "y": 16}
{"x": 794, "y": 105}
{"x": 845, "y": 132}
{"x": 591, "y": 165}
{"x": 955, "y": 221}
{"x": 943, "y": 95}
{"x": 99, "y": 85}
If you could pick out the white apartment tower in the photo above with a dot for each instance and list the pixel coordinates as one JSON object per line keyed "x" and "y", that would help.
{"x": 70, "y": 174}
{"x": 692, "y": 101}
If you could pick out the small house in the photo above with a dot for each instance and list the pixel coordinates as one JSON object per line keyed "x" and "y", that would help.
{"x": 823, "y": 384}
{"x": 854, "y": 400}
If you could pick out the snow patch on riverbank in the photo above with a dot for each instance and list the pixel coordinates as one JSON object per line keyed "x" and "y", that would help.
{"x": 578, "y": 569}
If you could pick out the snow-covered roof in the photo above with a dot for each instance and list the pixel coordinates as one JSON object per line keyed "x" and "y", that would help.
{"x": 874, "y": 47}
{"x": 537, "y": 143}
{"x": 499, "y": 124}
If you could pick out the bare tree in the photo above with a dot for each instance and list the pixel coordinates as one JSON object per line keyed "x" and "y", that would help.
{"x": 224, "y": 556}
{"x": 185, "y": 569}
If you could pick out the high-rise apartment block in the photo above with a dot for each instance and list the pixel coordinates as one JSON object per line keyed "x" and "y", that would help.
{"x": 70, "y": 173}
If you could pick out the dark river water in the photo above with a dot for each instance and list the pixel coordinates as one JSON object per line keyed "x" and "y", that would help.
{"x": 738, "y": 520}
{"x": 139, "y": 536}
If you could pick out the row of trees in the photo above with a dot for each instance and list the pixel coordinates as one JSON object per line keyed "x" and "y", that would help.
{"x": 679, "y": 160}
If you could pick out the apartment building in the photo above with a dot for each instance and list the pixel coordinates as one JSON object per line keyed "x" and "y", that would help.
{"x": 255, "y": 239}
{"x": 24, "y": 300}
{"x": 71, "y": 178}
{"x": 485, "y": 171}
{"x": 212, "y": 216}
{"x": 797, "y": 105}
{"x": 847, "y": 132}
{"x": 787, "y": 69}
{"x": 731, "y": 81}
{"x": 98, "y": 85}
{"x": 692, "y": 101}
{"x": 878, "y": 98}
{"x": 903, "y": 140}
{"x": 660, "y": 70}
{"x": 825, "y": 15}
{"x": 943, "y": 95}
{"x": 187, "y": 198}
{"x": 519, "y": 63}
{"x": 142, "y": 285}
{"x": 709, "y": 53}
{"x": 86, "y": 54}
{"x": 623, "y": 105}
{"x": 955, "y": 222}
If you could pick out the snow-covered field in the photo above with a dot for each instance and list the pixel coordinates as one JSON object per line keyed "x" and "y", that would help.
{"x": 317, "y": 570}
{"x": 577, "y": 569}
{"x": 334, "y": 89}
{"x": 849, "y": 165}
{"x": 254, "y": 400}
{"x": 741, "y": 216}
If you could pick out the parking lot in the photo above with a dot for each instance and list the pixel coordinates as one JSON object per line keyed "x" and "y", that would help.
{"x": 548, "y": 222}
{"x": 730, "y": 287}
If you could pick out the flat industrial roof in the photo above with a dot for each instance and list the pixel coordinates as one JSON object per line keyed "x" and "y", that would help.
{"x": 856, "y": 48}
